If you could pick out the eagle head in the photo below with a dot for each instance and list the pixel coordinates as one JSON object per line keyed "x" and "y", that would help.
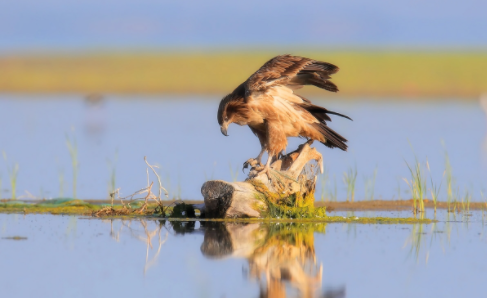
{"x": 232, "y": 109}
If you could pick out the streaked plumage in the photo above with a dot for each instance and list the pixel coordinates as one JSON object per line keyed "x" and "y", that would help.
{"x": 266, "y": 102}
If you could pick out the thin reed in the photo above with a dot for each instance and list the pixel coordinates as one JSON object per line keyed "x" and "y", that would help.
{"x": 333, "y": 194}
{"x": 370, "y": 186}
{"x": 349, "y": 178}
{"x": 466, "y": 199}
{"x": 61, "y": 183}
{"x": 233, "y": 173}
{"x": 484, "y": 198}
{"x": 417, "y": 185}
{"x": 450, "y": 195}
{"x": 324, "y": 183}
{"x": 13, "y": 172}
{"x": 112, "y": 168}
{"x": 434, "y": 188}
{"x": 73, "y": 153}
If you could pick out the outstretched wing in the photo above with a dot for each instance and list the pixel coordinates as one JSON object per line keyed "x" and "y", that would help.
{"x": 270, "y": 92}
{"x": 292, "y": 71}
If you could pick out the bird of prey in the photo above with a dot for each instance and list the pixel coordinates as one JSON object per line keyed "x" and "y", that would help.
{"x": 266, "y": 102}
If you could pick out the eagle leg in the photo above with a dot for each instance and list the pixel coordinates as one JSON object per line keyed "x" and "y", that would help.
{"x": 259, "y": 157}
{"x": 267, "y": 167}
{"x": 258, "y": 170}
{"x": 254, "y": 162}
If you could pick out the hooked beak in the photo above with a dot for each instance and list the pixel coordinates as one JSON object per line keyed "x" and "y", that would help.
{"x": 223, "y": 128}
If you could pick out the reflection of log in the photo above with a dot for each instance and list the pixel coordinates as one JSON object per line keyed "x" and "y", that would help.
{"x": 293, "y": 175}
{"x": 280, "y": 254}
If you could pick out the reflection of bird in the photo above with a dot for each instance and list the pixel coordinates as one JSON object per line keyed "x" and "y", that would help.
{"x": 267, "y": 104}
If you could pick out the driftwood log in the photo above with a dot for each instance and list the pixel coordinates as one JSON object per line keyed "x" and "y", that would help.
{"x": 291, "y": 176}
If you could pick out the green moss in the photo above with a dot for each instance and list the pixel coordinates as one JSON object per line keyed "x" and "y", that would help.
{"x": 295, "y": 206}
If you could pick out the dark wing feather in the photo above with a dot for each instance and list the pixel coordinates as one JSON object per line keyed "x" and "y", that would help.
{"x": 292, "y": 71}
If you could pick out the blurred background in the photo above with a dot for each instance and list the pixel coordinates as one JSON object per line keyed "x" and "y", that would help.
{"x": 88, "y": 88}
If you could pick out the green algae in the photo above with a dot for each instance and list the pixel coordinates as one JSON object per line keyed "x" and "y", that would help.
{"x": 285, "y": 214}
{"x": 327, "y": 219}
{"x": 55, "y": 206}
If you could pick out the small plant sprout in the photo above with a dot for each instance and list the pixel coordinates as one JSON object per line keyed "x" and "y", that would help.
{"x": 210, "y": 177}
{"x": 12, "y": 173}
{"x": 334, "y": 194}
{"x": 417, "y": 185}
{"x": 466, "y": 201}
{"x": 61, "y": 183}
{"x": 233, "y": 174}
{"x": 324, "y": 181}
{"x": 349, "y": 178}
{"x": 61, "y": 180}
{"x": 370, "y": 186}
{"x": 112, "y": 168}
{"x": 450, "y": 182}
{"x": 399, "y": 189}
{"x": 484, "y": 198}
{"x": 73, "y": 153}
{"x": 435, "y": 189}
{"x": 178, "y": 194}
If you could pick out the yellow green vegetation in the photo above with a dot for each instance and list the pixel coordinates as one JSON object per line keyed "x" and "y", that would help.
{"x": 427, "y": 74}
{"x": 294, "y": 200}
{"x": 294, "y": 206}
{"x": 301, "y": 207}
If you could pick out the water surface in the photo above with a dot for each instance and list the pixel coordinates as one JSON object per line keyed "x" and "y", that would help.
{"x": 65, "y": 256}
{"x": 181, "y": 134}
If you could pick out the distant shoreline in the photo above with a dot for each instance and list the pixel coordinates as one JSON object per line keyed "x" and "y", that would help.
{"x": 381, "y": 75}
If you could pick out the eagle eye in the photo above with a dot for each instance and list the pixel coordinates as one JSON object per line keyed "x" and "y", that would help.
{"x": 226, "y": 118}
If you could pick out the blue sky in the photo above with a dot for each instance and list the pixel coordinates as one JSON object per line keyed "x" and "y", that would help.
{"x": 78, "y": 25}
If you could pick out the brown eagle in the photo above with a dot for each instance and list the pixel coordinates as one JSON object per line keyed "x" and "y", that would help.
{"x": 266, "y": 102}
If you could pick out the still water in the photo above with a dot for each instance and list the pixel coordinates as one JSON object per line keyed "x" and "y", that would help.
{"x": 66, "y": 256}
{"x": 181, "y": 134}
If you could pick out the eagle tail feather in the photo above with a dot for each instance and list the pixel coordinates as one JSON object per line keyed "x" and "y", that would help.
{"x": 332, "y": 138}
{"x": 320, "y": 113}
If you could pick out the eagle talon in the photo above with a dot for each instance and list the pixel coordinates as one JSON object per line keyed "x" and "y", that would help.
{"x": 267, "y": 172}
{"x": 252, "y": 162}
{"x": 246, "y": 164}
{"x": 259, "y": 170}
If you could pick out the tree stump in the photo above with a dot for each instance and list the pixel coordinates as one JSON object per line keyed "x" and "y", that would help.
{"x": 292, "y": 178}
